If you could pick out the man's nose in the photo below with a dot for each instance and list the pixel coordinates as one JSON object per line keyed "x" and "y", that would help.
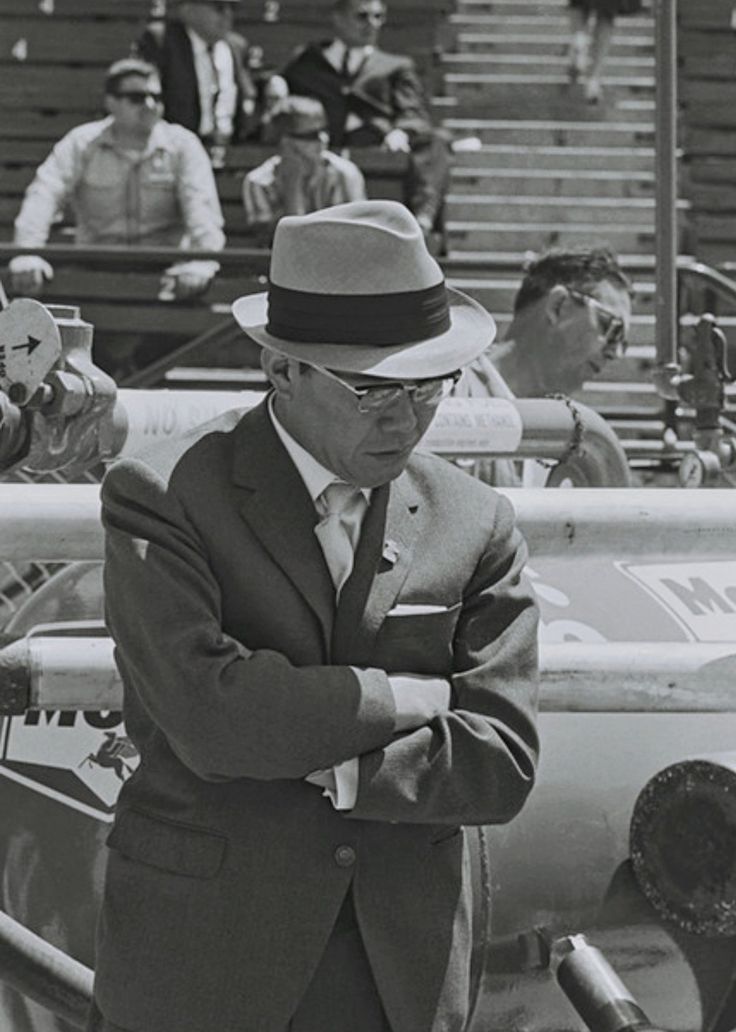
{"x": 400, "y": 415}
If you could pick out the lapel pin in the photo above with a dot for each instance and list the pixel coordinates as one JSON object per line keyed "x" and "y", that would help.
{"x": 390, "y": 551}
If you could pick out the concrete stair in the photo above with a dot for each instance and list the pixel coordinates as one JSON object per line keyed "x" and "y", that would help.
{"x": 547, "y": 169}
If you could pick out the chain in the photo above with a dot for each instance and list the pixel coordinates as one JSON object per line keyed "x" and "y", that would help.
{"x": 576, "y": 439}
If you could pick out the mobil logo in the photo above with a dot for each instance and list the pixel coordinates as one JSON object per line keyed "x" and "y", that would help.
{"x": 80, "y": 759}
{"x": 700, "y": 595}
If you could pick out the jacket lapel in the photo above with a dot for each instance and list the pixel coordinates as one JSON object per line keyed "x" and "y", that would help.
{"x": 276, "y": 505}
{"x": 382, "y": 563}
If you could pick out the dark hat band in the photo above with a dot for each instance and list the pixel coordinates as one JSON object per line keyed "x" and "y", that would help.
{"x": 371, "y": 319}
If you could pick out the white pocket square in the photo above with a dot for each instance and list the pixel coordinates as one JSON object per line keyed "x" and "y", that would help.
{"x": 417, "y": 610}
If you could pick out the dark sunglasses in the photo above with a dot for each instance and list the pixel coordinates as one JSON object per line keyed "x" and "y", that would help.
{"x": 139, "y": 97}
{"x": 610, "y": 326}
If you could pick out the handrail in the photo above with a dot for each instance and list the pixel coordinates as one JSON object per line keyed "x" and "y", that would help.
{"x": 61, "y": 522}
{"x": 258, "y": 258}
{"x": 44, "y": 973}
{"x": 78, "y": 673}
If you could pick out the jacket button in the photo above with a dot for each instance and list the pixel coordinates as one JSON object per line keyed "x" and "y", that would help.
{"x": 344, "y": 856}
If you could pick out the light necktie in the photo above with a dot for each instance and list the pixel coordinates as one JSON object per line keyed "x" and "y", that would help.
{"x": 341, "y": 507}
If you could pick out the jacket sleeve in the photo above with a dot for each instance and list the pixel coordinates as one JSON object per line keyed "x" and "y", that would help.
{"x": 475, "y": 764}
{"x": 47, "y": 194}
{"x": 197, "y": 193}
{"x": 226, "y": 711}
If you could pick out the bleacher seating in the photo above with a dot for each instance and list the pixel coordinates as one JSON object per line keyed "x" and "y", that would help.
{"x": 53, "y": 54}
{"x": 707, "y": 93}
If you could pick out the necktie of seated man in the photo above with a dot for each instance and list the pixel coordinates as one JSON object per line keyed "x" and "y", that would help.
{"x": 341, "y": 507}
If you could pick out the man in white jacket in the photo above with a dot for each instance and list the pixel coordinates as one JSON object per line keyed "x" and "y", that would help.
{"x": 130, "y": 178}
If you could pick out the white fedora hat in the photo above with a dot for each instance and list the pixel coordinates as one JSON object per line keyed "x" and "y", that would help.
{"x": 353, "y": 288}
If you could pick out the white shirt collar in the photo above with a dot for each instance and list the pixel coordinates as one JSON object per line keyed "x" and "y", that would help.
{"x": 315, "y": 476}
{"x": 334, "y": 52}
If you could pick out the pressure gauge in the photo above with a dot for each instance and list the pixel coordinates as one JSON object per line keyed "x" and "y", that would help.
{"x": 699, "y": 469}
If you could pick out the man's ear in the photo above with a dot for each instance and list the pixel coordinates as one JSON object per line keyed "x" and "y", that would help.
{"x": 554, "y": 302}
{"x": 280, "y": 370}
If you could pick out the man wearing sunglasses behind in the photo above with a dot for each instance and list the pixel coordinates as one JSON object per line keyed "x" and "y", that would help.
{"x": 572, "y": 315}
{"x": 330, "y": 668}
{"x": 130, "y": 178}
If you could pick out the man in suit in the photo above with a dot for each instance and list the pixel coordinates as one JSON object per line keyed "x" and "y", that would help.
{"x": 373, "y": 98}
{"x": 206, "y": 83}
{"x": 329, "y": 663}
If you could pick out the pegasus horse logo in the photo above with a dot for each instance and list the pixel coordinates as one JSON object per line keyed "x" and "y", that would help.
{"x": 113, "y": 753}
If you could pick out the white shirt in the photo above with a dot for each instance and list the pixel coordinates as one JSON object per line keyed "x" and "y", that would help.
{"x": 316, "y": 478}
{"x": 335, "y": 54}
{"x": 216, "y": 84}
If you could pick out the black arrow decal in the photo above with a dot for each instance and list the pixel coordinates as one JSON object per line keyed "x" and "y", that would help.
{"x": 31, "y": 345}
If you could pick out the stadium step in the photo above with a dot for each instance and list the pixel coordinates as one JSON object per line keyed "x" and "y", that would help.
{"x": 573, "y": 160}
{"x": 492, "y": 62}
{"x": 477, "y": 235}
{"x": 567, "y": 210}
{"x": 551, "y": 182}
{"x": 474, "y": 41}
{"x": 554, "y": 133}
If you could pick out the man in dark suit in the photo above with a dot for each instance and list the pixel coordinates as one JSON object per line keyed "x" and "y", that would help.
{"x": 329, "y": 663}
{"x": 206, "y": 83}
{"x": 373, "y": 98}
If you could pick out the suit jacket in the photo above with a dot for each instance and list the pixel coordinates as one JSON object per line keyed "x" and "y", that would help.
{"x": 386, "y": 93}
{"x": 226, "y": 869}
{"x": 168, "y": 46}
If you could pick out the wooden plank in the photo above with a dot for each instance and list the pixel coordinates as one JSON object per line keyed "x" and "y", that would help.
{"x": 716, "y": 65}
{"x": 17, "y": 123}
{"x": 99, "y": 42}
{"x": 712, "y": 169}
{"x": 63, "y": 89}
{"x": 21, "y": 153}
{"x": 707, "y": 90}
{"x": 13, "y": 181}
{"x": 715, "y": 198}
{"x": 705, "y": 14}
{"x": 714, "y": 228}
{"x": 49, "y": 10}
{"x": 699, "y": 140}
{"x": 78, "y": 285}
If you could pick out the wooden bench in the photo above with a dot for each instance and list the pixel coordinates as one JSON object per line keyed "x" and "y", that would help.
{"x": 708, "y": 127}
{"x": 385, "y": 175}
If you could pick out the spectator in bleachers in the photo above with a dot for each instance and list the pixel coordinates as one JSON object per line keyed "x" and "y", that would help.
{"x": 130, "y": 178}
{"x": 373, "y": 98}
{"x": 572, "y": 315}
{"x": 304, "y": 175}
{"x": 591, "y": 27}
{"x": 203, "y": 65}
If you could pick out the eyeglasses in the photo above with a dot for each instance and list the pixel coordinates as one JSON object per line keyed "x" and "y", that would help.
{"x": 139, "y": 97}
{"x": 380, "y": 396}
{"x": 611, "y": 326}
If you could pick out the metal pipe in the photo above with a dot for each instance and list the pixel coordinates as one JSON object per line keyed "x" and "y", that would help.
{"x": 665, "y": 15}
{"x": 44, "y": 973}
{"x": 61, "y": 522}
{"x": 79, "y": 673}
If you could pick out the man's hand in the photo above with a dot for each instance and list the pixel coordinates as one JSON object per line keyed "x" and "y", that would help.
{"x": 187, "y": 279}
{"x": 28, "y": 273}
{"x": 396, "y": 140}
{"x": 419, "y": 698}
